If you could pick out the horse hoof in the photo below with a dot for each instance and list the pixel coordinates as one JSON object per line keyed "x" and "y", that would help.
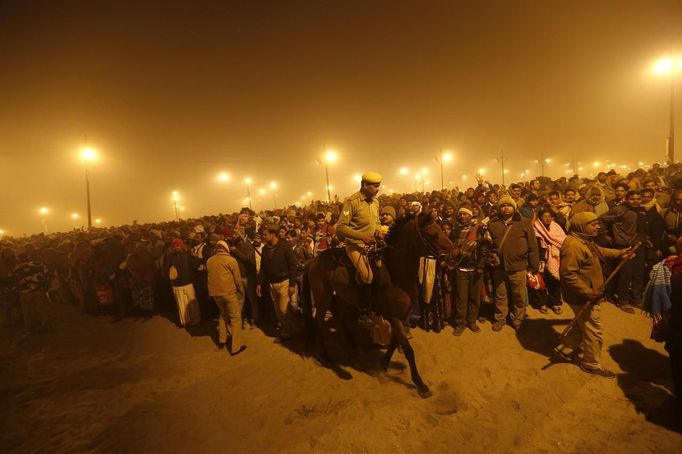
{"x": 322, "y": 363}
{"x": 424, "y": 392}
{"x": 343, "y": 374}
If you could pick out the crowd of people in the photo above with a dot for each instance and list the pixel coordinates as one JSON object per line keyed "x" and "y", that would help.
{"x": 533, "y": 244}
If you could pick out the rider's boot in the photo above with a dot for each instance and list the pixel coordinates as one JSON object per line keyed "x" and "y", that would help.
{"x": 366, "y": 320}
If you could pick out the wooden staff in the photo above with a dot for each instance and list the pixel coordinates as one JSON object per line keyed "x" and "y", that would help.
{"x": 589, "y": 305}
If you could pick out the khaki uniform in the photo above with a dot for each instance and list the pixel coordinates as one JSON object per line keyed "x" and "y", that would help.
{"x": 358, "y": 218}
{"x": 580, "y": 274}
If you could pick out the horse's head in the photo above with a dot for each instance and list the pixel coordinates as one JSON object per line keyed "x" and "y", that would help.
{"x": 433, "y": 240}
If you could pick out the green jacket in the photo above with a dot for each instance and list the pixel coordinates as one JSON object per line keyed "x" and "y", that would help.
{"x": 580, "y": 271}
{"x": 358, "y": 218}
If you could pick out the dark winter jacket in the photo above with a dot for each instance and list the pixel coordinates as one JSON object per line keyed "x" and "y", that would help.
{"x": 520, "y": 249}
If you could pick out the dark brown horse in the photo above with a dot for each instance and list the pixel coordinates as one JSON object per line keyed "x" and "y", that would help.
{"x": 407, "y": 241}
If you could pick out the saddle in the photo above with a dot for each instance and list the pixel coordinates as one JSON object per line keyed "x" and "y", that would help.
{"x": 344, "y": 268}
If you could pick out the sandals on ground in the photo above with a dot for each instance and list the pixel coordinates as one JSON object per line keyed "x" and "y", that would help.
{"x": 557, "y": 309}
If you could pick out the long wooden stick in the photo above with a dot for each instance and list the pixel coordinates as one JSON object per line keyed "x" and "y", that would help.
{"x": 589, "y": 305}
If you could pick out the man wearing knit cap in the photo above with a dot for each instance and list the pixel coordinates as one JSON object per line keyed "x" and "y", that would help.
{"x": 515, "y": 253}
{"x": 226, "y": 287}
{"x": 387, "y": 215}
{"x": 472, "y": 243}
{"x": 356, "y": 227}
{"x": 582, "y": 282}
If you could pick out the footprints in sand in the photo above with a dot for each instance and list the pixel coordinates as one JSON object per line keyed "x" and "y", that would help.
{"x": 315, "y": 410}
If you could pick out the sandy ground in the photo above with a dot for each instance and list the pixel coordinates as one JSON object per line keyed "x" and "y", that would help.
{"x": 148, "y": 386}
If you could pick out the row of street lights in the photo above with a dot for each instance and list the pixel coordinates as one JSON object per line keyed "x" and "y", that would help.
{"x": 670, "y": 67}
{"x": 44, "y": 212}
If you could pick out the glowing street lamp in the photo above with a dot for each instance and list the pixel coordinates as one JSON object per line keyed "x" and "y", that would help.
{"x": 445, "y": 156}
{"x": 418, "y": 177}
{"x": 175, "y": 195}
{"x": 223, "y": 177}
{"x": 44, "y": 211}
{"x": 98, "y": 221}
{"x": 88, "y": 155}
{"x": 74, "y": 219}
{"x": 669, "y": 67}
{"x": 2, "y": 233}
{"x": 542, "y": 161}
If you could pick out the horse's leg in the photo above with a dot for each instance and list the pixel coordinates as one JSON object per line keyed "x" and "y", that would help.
{"x": 347, "y": 327}
{"x": 322, "y": 302}
{"x": 399, "y": 330}
{"x": 386, "y": 360}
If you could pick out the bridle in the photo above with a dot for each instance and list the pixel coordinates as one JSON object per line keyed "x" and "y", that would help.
{"x": 427, "y": 245}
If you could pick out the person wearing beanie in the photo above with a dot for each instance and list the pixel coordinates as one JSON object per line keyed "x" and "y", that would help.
{"x": 227, "y": 289}
{"x": 473, "y": 244}
{"x": 593, "y": 202}
{"x": 582, "y": 282}
{"x": 388, "y": 216}
{"x": 506, "y": 200}
{"x": 514, "y": 253}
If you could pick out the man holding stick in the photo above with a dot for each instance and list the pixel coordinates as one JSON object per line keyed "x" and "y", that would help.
{"x": 582, "y": 282}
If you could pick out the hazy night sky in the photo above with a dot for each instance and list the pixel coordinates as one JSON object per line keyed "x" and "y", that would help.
{"x": 172, "y": 93}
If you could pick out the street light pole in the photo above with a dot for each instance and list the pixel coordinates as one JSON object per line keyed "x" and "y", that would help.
{"x": 671, "y": 134}
{"x": 88, "y": 154}
{"x": 87, "y": 192}
{"x": 176, "y": 197}
{"x": 247, "y": 182}
{"x": 442, "y": 180}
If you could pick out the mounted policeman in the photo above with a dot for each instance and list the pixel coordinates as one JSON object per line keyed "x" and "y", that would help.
{"x": 356, "y": 227}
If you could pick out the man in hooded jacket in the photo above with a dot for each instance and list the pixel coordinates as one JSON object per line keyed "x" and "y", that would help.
{"x": 582, "y": 282}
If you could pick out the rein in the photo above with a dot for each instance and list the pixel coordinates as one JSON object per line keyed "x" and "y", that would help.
{"x": 430, "y": 249}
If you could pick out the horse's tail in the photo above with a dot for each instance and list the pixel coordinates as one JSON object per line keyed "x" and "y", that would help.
{"x": 307, "y": 308}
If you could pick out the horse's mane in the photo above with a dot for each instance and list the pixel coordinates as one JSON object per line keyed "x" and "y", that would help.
{"x": 396, "y": 228}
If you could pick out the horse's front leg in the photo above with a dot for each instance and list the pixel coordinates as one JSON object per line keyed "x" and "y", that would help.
{"x": 401, "y": 337}
{"x": 386, "y": 360}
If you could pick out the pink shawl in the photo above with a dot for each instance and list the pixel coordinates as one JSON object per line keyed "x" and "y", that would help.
{"x": 550, "y": 239}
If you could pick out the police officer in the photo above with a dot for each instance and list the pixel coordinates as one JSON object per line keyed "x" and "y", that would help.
{"x": 356, "y": 227}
